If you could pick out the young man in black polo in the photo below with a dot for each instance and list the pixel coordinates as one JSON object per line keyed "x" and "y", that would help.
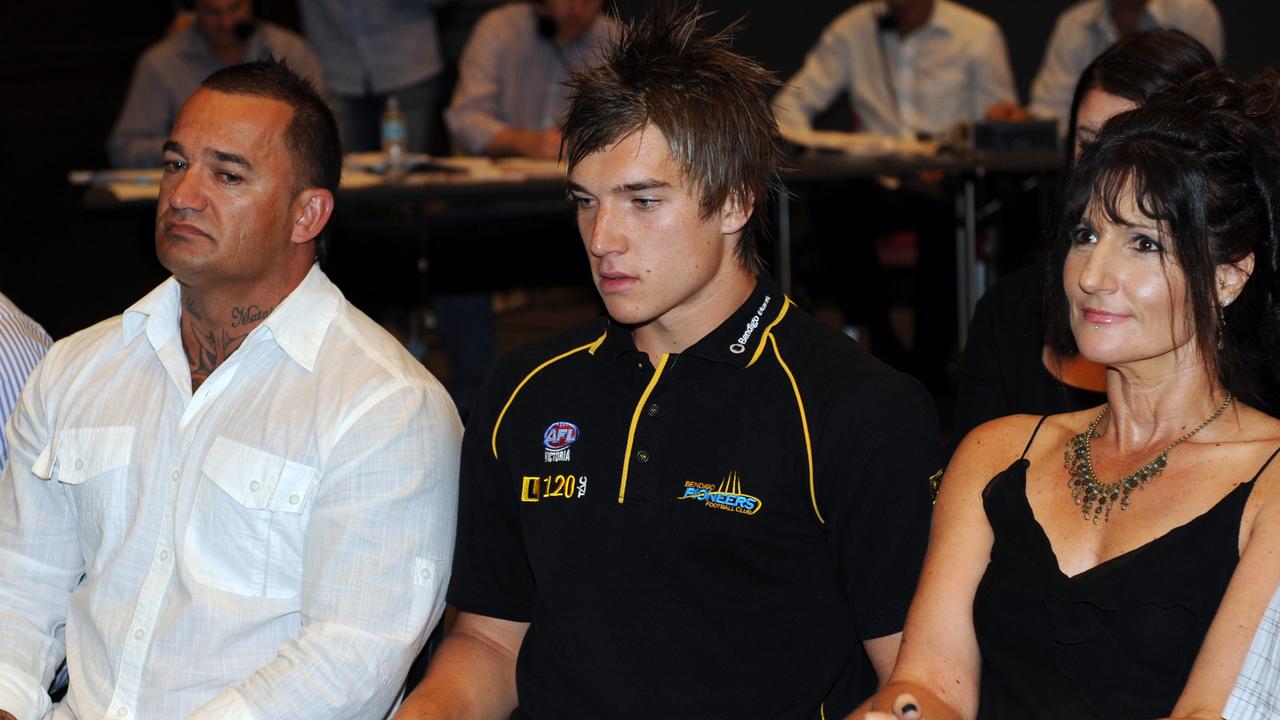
{"x": 705, "y": 505}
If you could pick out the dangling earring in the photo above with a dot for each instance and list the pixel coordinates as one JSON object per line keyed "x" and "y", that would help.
{"x": 1221, "y": 330}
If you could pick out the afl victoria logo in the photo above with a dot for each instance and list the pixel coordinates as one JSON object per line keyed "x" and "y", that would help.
{"x": 559, "y": 435}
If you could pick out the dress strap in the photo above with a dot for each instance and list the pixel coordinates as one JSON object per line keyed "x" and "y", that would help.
{"x": 1264, "y": 465}
{"x": 1037, "y": 431}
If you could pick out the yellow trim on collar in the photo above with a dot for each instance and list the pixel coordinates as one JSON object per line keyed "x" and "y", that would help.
{"x": 786, "y": 303}
{"x": 589, "y": 347}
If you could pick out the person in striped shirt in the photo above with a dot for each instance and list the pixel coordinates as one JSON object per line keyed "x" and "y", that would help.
{"x": 22, "y": 343}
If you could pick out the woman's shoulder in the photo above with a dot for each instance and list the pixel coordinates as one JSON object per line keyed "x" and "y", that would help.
{"x": 1020, "y": 433}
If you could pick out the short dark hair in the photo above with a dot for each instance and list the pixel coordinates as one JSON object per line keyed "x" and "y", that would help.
{"x": 312, "y": 133}
{"x": 712, "y": 105}
{"x": 1138, "y": 66}
{"x": 1203, "y": 160}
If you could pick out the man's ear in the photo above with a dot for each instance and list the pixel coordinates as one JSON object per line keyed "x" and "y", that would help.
{"x": 1232, "y": 277}
{"x": 311, "y": 210}
{"x": 736, "y": 212}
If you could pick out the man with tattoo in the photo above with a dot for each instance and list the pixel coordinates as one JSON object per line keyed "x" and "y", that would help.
{"x": 238, "y": 498}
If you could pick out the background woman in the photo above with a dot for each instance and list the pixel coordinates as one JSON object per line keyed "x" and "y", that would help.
{"x": 1006, "y": 367}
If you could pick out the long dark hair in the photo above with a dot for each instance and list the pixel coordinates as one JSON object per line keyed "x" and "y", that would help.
{"x": 1138, "y": 66}
{"x": 1203, "y": 160}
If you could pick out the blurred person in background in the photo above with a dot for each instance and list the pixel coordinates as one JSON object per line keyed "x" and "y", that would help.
{"x": 221, "y": 33}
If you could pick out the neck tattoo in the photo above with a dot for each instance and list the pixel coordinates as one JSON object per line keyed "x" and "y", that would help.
{"x": 1097, "y": 498}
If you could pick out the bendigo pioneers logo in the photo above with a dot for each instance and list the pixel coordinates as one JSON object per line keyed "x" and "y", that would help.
{"x": 727, "y": 496}
{"x": 556, "y": 441}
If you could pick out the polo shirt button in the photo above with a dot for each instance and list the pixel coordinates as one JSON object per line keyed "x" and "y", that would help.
{"x": 174, "y": 476}
{"x": 137, "y": 634}
{"x": 293, "y": 499}
{"x": 652, "y": 409}
{"x": 164, "y": 554}
{"x": 79, "y": 464}
{"x": 255, "y": 485}
{"x": 642, "y": 456}
{"x": 122, "y": 712}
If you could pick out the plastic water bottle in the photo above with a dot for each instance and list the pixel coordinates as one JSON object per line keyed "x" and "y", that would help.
{"x": 393, "y": 138}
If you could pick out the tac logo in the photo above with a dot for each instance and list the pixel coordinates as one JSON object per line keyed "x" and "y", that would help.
{"x": 557, "y": 439}
{"x": 727, "y": 495}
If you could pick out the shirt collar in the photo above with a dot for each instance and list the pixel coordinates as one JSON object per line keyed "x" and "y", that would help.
{"x": 736, "y": 341}
{"x": 297, "y": 326}
{"x": 941, "y": 20}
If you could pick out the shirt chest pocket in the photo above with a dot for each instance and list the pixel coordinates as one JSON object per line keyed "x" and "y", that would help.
{"x": 92, "y": 465}
{"x": 249, "y": 521}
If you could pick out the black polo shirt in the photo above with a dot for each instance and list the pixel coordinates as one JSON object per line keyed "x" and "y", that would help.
{"x": 709, "y": 538}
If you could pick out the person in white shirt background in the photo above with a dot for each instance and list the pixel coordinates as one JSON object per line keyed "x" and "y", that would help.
{"x": 237, "y": 499}
{"x": 1087, "y": 28}
{"x": 911, "y": 69}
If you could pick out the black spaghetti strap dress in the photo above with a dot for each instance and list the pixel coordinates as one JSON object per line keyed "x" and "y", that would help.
{"x": 1116, "y": 641}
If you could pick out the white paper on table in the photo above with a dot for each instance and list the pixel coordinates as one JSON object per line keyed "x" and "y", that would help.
{"x": 865, "y": 144}
{"x": 126, "y": 191}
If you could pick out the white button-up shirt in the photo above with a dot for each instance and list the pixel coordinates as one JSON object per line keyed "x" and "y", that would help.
{"x": 1085, "y": 29}
{"x": 952, "y": 69}
{"x": 274, "y": 545}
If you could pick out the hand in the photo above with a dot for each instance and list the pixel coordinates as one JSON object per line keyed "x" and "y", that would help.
{"x": 4, "y": 715}
{"x": 1007, "y": 111}
{"x": 543, "y": 145}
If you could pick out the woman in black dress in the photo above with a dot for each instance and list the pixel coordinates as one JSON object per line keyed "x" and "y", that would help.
{"x": 1114, "y": 562}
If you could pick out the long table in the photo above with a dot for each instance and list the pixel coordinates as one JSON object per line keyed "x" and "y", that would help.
{"x": 968, "y": 168}
{"x": 478, "y": 180}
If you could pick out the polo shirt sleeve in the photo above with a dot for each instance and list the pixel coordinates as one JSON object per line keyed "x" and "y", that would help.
{"x": 491, "y": 574}
{"x": 875, "y": 500}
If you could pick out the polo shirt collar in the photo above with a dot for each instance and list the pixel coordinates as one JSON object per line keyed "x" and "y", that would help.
{"x": 734, "y": 342}
{"x": 297, "y": 326}
{"x": 737, "y": 339}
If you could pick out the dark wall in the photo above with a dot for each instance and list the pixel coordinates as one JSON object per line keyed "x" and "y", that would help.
{"x": 64, "y": 68}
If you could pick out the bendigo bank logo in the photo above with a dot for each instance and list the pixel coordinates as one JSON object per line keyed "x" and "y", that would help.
{"x": 556, "y": 441}
{"x": 727, "y": 495}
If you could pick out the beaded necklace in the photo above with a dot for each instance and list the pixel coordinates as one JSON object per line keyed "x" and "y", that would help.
{"x": 1097, "y": 498}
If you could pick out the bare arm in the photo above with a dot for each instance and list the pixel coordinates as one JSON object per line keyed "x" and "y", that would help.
{"x": 473, "y": 674}
{"x": 882, "y": 651}
{"x": 939, "y": 663}
{"x": 1222, "y": 654}
{"x": 544, "y": 144}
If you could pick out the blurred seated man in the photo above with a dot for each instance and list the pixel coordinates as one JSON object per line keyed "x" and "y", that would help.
{"x": 224, "y": 33}
{"x": 1087, "y": 28}
{"x": 238, "y": 498}
{"x": 511, "y": 96}
{"x": 372, "y": 50}
{"x": 911, "y": 68}
{"x": 510, "y": 101}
